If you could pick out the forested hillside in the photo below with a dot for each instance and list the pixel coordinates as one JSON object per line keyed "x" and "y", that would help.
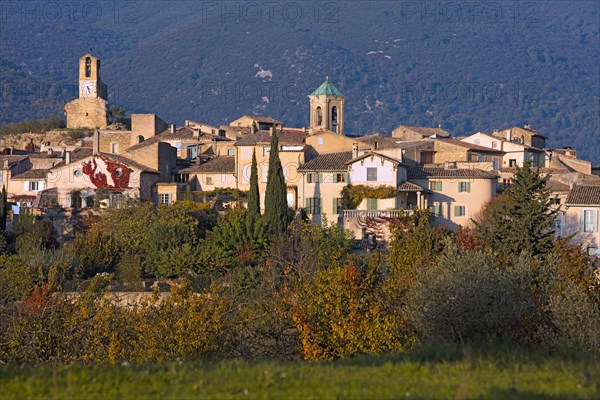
{"x": 468, "y": 67}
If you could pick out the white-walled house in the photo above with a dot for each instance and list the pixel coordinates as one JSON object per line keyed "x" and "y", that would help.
{"x": 514, "y": 153}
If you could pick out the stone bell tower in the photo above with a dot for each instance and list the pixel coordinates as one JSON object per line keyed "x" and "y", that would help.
{"x": 327, "y": 108}
{"x": 90, "y": 110}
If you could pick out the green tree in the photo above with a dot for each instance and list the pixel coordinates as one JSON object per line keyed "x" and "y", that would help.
{"x": 524, "y": 221}
{"x": 3, "y": 209}
{"x": 276, "y": 208}
{"x": 254, "y": 195}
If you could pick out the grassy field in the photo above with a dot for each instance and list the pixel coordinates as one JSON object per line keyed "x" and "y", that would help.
{"x": 456, "y": 374}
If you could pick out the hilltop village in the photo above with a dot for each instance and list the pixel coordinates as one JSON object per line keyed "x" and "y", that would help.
{"x": 413, "y": 168}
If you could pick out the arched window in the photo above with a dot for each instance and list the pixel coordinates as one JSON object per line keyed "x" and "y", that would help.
{"x": 88, "y": 67}
{"x": 319, "y": 116}
{"x": 334, "y": 119}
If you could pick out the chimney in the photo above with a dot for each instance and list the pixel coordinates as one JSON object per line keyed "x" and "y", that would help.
{"x": 196, "y": 132}
{"x": 68, "y": 157}
{"x": 376, "y": 145}
{"x": 96, "y": 142}
{"x": 439, "y": 126}
{"x": 172, "y": 128}
{"x": 354, "y": 150}
{"x": 509, "y": 135}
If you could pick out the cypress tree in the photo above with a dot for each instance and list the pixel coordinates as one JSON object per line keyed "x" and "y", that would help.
{"x": 3, "y": 209}
{"x": 254, "y": 195}
{"x": 524, "y": 220}
{"x": 275, "y": 199}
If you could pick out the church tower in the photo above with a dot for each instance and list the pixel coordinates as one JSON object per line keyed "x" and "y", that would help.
{"x": 327, "y": 108}
{"x": 90, "y": 110}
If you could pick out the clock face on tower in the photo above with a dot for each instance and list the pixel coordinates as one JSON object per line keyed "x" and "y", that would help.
{"x": 88, "y": 89}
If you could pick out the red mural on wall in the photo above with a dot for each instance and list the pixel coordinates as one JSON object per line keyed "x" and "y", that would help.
{"x": 119, "y": 173}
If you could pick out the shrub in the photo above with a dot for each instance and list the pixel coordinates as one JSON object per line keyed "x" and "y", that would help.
{"x": 466, "y": 297}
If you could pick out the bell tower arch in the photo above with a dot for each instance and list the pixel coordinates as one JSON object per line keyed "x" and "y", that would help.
{"x": 327, "y": 108}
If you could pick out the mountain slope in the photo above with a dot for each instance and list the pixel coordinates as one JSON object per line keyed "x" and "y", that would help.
{"x": 536, "y": 63}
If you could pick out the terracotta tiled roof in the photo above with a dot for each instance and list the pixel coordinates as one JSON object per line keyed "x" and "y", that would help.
{"x": 557, "y": 186}
{"x": 129, "y": 162}
{"x": 328, "y": 162}
{"x": 32, "y": 174}
{"x": 426, "y": 132}
{"x": 381, "y": 140}
{"x": 411, "y": 187}
{"x": 469, "y": 146}
{"x": 12, "y": 159}
{"x": 584, "y": 196}
{"x": 264, "y": 138}
{"x": 373, "y": 153}
{"x": 421, "y": 172}
{"x": 264, "y": 120}
{"x": 113, "y": 157}
{"x": 225, "y": 164}
{"x": 184, "y": 134}
{"x": 554, "y": 171}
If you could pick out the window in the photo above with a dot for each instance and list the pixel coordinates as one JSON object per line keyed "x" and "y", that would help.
{"x": 558, "y": 225}
{"x": 460, "y": 211}
{"x": 494, "y": 145}
{"x": 266, "y": 151}
{"x": 589, "y": 221}
{"x": 114, "y": 148}
{"x": 313, "y": 205}
{"x": 337, "y": 205}
{"x": 209, "y": 180}
{"x": 340, "y": 177}
{"x": 182, "y": 178}
{"x": 436, "y": 210}
{"x": 33, "y": 186}
{"x": 164, "y": 198}
{"x": 77, "y": 173}
{"x": 506, "y": 181}
{"x": 229, "y": 152}
{"x": 320, "y": 141}
{"x": 371, "y": 204}
{"x": 319, "y": 116}
{"x": 512, "y": 163}
{"x": 464, "y": 187}
{"x": 88, "y": 67}
{"x": 310, "y": 177}
{"x": 371, "y": 174}
{"x": 191, "y": 153}
{"x": 435, "y": 185}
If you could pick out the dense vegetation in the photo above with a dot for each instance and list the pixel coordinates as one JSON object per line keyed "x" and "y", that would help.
{"x": 237, "y": 288}
{"x": 498, "y": 65}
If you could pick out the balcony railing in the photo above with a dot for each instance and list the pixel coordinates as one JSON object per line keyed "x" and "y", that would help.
{"x": 376, "y": 213}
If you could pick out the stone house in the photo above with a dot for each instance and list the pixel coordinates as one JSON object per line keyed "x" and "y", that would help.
{"x": 514, "y": 153}
{"x": 409, "y": 133}
{"x": 581, "y": 217}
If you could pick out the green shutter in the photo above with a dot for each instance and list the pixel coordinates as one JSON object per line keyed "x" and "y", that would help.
{"x": 318, "y": 207}
{"x": 334, "y": 206}
{"x": 438, "y": 185}
{"x": 469, "y": 187}
{"x": 456, "y": 211}
{"x": 371, "y": 204}
{"x": 319, "y": 178}
{"x": 440, "y": 209}
{"x": 347, "y": 177}
{"x": 307, "y": 205}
